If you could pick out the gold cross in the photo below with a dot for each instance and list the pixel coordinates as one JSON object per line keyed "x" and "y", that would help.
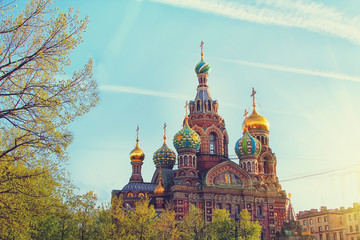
{"x": 137, "y": 133}
{"x": 165, "y": 129}
{"x": 186, "y": 107}
{"x": 202, "y": 52}
{"x": 253, "y": 96}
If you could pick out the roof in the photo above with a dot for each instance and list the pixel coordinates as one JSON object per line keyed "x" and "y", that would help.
{"x": 138, "y": 186}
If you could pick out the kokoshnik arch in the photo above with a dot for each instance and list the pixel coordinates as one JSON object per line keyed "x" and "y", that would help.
{"x": 205, "y": 176}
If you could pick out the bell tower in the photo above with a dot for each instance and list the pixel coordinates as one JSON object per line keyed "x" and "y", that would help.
{"x": 204, "y": 120}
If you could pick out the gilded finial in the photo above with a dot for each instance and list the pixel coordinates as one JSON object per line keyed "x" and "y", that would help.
{"x": 289, "y": 195}
{"x": 253, "y": 96}
{"x": 186, "y": 115}
{"x": 159, "y": 190}
{"x": 137, "y": 133}
{"x": 246, "y": 118}
{"x": 202, "y": 50}
{"x": 165, "y": 132}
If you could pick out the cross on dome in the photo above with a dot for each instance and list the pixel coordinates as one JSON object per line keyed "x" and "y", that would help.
{"x": 253, "y": 96}
{"x": 202, "y": 50}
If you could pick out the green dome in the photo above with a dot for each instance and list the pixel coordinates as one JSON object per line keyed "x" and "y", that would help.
{"x": 164, "y": 156}
{"x": 202, "y": 67}
{"x": 247, "y": 145}
{"x": 186, "y": 138}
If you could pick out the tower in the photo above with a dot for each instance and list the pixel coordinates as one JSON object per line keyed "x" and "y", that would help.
{"x": 258, "y": 127}
{"x": 137, "y": 157}
{"x": 187, "y": 143}
{"x": 204, "y": 119}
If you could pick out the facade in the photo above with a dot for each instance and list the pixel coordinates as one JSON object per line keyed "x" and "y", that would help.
{"x": 332, "y": 224}
{"x": 204, "y": 175}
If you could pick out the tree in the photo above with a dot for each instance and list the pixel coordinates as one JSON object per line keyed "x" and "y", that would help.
{"x": 167, "y": 226}
{"x": 247, "y": 229}
{"x": 193, "y": 225}
{"x": 222, "y": 227}
{"x": 36, "y": 105}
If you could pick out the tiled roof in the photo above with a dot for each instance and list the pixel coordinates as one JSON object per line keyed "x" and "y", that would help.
{"x": 135, "y": 186}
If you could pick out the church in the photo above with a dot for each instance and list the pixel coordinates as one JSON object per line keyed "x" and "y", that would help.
{"x": 204, "y": 175}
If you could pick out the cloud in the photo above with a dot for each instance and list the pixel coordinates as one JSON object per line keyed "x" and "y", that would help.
{"x": 124, "y": 89}
{"x": 312, "y": 16}
{"x": 317, "y": 73}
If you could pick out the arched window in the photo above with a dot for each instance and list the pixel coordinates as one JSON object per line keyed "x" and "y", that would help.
{"x": 237, "y": 209}
{"x": 218, "y": 206}
{"x": 258, "y": 211}
{"x": 198, "y": 106}
{"x": 209, "y": 106}
{"x": 249, "y": 166}
{"x": 228, "y": 208}
{"x": 253, "y": 166}
{"x": 212, "y": 140}
{"x": 186, "y": 160}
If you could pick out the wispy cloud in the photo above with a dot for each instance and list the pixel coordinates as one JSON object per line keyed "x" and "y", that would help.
{"x": 124, "y": 89}
{"x": 317, "y": 73}
{"x": 308, "y": 15}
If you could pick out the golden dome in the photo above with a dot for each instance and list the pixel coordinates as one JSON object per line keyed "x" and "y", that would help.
{"x": 256, "y": 121}
{"x": 137, "y": 155}
{"x": 159, "y": 190}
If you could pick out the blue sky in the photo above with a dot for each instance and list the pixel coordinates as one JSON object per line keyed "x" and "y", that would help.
{"x": 302, "y": 57}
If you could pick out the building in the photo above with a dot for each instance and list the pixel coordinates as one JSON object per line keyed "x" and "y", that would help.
{"x": 204, "y": 175}
{"x": 332, "y": 224}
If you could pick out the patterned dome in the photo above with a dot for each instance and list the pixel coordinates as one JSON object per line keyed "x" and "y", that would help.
{"x": 164, "y": 156}
{"x": 247, "y": 145}
{"x": 256, "y": 121}
{"x": 137, "y": 155}
{"x": 202, "y": 67}
{"x": 186, "y": 138}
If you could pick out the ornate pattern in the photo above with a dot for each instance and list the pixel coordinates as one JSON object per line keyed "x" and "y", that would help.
{"x": 247, "y": 145}
{"x": 164, "y": 155}
{"x": 202, "y": 67}
{"x": 186, "y": 138}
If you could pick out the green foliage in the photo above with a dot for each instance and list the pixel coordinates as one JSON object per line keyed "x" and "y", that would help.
{"x": 222, "y": 227}
{"x": 193, "y": 225}
{"x": 36, "y": 106}
{"x": 247, "y": 229}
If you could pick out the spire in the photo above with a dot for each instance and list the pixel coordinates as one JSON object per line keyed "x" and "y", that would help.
{"x": 186, "y": 114}
{"x": 253, "y": 96}
{"x": 202, "y": 50}
{"x": 290, "y": 211}
{"x": 165, "y": 132}
{"x": 159, "y": 190}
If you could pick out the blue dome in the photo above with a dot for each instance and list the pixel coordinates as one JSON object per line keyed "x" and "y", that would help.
{"x": 202, "y": 67}
{"x": 247, "y": 145}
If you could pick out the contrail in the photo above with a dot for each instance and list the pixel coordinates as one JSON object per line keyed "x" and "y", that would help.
{"x": 332, "y": 75}
{"x": 311, "y": 16}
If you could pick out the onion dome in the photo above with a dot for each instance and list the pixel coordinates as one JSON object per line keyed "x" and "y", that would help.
{"x": 256, "y": 121}
{"x": 247, "y": 145}
{"x": 137, "y": 155}
{"x": 159, "y": 190}
{"x": 202, "y": 67}
{"x": 164, "y": 155}
{"x": 186, "y": 138}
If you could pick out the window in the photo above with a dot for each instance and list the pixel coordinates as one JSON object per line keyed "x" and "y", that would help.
{"x": 212, "y": 143}
{"x": 327, "y": 228}
{"x": 312, "y": 230}
{"x": 357, "y": 228}
{"x": 218, "y": 206}
{"x": 258, "y": 212}
{"x": 311, "y": 221}
{"x": 249, "y": 166}
{"x": 349, "y": 217}
{"x": 341, "y": 236}
{"x": 304, "y": 222}
{"x": 198, "y": 106}
{"x": 209, "y": 106}
{"x": 335, "y": 236}
{"x": 320, "y": 229}
{"x": 228, "y": 208}
{"x": 320, "y": 235}
{"x": 351, "y": 229}
{"x": 237, "y": 209}
{"x": 325, "y": 219}
{"x": 327, "y": 236}
{"x": 319, "y": 219}
{"x": 355, "y": 216}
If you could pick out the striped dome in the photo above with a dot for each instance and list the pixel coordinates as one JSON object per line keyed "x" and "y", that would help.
{"x": 164, "y": 156}
{"x": 247, "y": 145}
{"x": 202, "y": 67}
{"x": 186, "y": 138}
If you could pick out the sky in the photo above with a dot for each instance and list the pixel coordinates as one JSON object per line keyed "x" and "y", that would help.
{"x": 302, "y": 58}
